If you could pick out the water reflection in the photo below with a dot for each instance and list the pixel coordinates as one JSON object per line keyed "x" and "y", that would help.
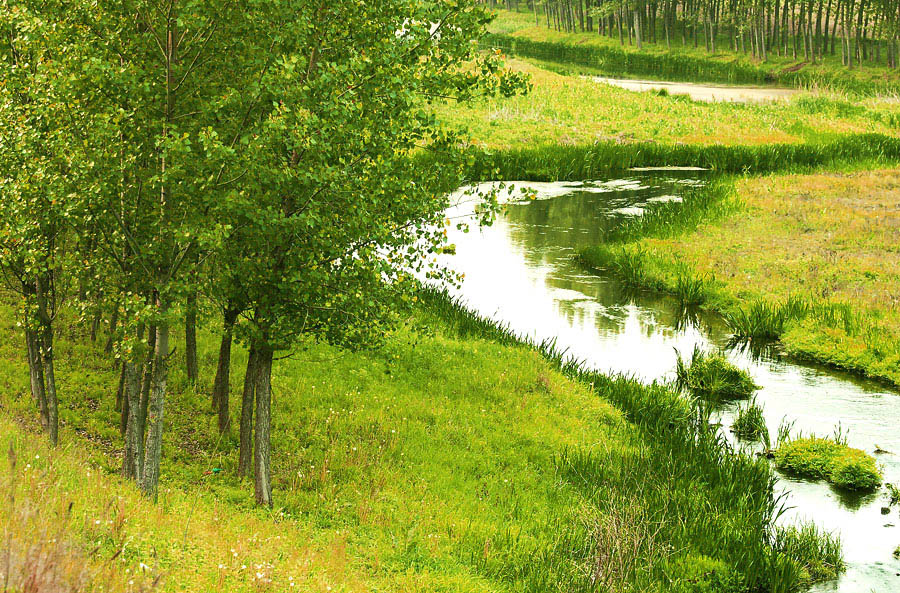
{"x": 521, "y": 271}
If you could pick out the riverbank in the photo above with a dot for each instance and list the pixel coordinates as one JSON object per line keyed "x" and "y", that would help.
{"x": 564, "y": 110}
{"x": 518, "y": 34}
{"x": 809, "y": 259}
{"x": 452, "y": 458}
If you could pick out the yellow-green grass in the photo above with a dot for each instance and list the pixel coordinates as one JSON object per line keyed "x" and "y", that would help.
{"x": 819, "y": 251}
{"x": 867, "y": 74}
{"x": 571, "y": 110}
{"x": 828, "y": 459}
{"x": 430, "y": 463}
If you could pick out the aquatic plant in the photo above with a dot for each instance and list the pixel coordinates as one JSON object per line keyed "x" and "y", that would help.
{"x": 690, "y": 289}
{"x": 711, "y": 377}
{"x": 818, "y": 552}
{"x": 750, "y": 424}
{"x": 825, "y": 458}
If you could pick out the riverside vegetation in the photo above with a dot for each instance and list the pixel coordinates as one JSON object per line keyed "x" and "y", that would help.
{"x": 394, "y": 440}
{"x": 379, "y": 487}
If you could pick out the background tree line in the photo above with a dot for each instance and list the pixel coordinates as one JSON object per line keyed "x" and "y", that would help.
{"x": 860, "y": 30}
{"x": 252, "y": 163}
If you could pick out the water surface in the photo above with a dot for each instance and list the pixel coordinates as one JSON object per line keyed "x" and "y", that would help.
{"x": 521, "y": 271}
{"x": 710, "y": 93}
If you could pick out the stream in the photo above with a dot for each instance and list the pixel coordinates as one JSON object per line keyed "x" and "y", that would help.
{"x": 709, "y": 93}
{"x": 520, "y": 271}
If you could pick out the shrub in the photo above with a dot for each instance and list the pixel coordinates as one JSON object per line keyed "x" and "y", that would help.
{"x": 711, "y": 376}
{"x": 819, "y": 458}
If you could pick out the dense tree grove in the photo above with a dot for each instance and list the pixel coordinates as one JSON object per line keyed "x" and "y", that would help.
{"x": 860, "y": 30}
{"x": 253, "y": 163}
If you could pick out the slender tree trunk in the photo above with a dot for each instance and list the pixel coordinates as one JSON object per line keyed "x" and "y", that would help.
{"x": 45, "y": 341}
{"x": 262, "y": 477}
{"x": 154, "y": 422}
{"x": 223, "y": 371}
{"x": 132, "y": 462}
{"x": 113, "y": 325}
{"x": 245, "y": 459}
{"x": 36, "y": 374}
{"x": 190, "y": 338}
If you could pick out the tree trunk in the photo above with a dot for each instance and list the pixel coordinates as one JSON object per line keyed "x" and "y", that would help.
{"x": 247, "y": 402}
{"x": 36, "y": 373}
{"x": 221, "y": 385}
{"x": 45, "y": 342}
{"x": 262, "y": 478}
{"x": 154, "y": 421}
{"x": 132, "y": 462}
{"x": 190, "y": 338}
{"x": 113, "y": 325}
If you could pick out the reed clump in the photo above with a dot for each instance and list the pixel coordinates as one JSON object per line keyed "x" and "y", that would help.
{"x": 750, "y": 423}
{"x": 712, "y": 377}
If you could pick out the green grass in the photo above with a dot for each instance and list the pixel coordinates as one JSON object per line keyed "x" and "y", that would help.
{"x": 831, "y": 460}
{"x": 750, "y": 423}
{"x": 518, "y": 33}
{"x": 570, "y": 111}
{"x": 711, "y": 377}
{"x": 811, "y": 264}
{"x": 821, "y": 554}
{"x": 454, "y": 457}
{"x": 603, "y": 159}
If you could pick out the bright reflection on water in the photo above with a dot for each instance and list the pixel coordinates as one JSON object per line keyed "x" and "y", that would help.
{"x": 521, "y": 271}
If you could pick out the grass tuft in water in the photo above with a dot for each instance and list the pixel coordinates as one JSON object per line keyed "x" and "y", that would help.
{"x": 818, "y": 552}
{"x": 750, "y": 424}
{"x": 711, "y": 377}
{"x": 829, "y": 459}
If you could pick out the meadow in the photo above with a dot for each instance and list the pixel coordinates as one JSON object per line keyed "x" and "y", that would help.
{"x": 565, "y": 110}
{"x": 452, "y": 458}
{"x": 809, "y": 259}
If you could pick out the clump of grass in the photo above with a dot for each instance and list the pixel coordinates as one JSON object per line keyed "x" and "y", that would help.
{"x": 763, "y": 320}
{"x": 750, "y": 423}
{"x": 829, "y": 459}
{"x": 818, "y": 553}
{"x": 690, "y": 289}
{"x": 710, "y": 376}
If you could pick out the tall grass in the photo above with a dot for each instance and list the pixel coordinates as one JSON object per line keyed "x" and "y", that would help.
{"x": 675, "y": 65}
{"x": 703, "y": 499}
{"x": 750, "y": 423}
{"x": 602, "y": 159}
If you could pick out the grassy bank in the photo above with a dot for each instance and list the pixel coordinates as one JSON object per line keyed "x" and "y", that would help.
{"x": 809, "y": 259}
{"x": 517, "y": 33}
{"x": 569, "y": 110}
{"x": 452, "y": 458}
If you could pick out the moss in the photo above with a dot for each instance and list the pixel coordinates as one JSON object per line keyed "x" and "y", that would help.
{"x": 819, "y": 458}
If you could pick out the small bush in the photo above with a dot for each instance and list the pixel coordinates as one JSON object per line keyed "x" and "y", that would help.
{"x": 711, "y": 376}
{"x": 818, "y": 553}
{"x": 819, "y": 458}
{"x": 750, "y": 423}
